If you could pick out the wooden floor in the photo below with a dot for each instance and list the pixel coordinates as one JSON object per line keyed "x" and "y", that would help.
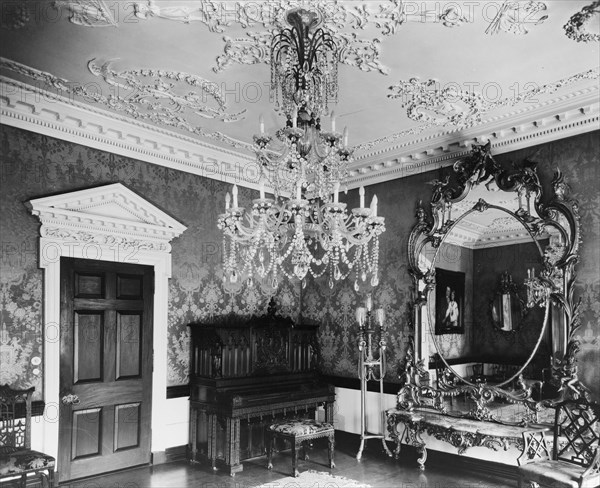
{"x": 375, "y": 469}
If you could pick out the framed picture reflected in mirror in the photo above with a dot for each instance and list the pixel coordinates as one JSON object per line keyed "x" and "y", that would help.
{"x": 449, "y": 302}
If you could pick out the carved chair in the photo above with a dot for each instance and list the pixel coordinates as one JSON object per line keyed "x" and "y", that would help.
{"x": 573, "y": 459}
{"x": 17, "y": 460}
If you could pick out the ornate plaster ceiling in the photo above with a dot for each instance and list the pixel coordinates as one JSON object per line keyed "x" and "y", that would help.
{"x": 491, "y": 227}
{"x": 419, "y": 81}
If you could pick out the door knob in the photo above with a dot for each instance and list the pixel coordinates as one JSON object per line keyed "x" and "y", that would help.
{"x": 70, "y": 399}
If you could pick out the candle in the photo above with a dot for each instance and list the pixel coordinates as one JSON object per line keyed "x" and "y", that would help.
{"x": 299, "y": 192}
{"x": 374, "y": 206}
{"x": 234, "y": 191}
{"x": 361, "y": 192}
{"x": 336, "y": 192}
{"x": 261, "y": 123}
{"x": 369, "y": 303}
{"x": 261, "y": 189}
{"x": 528, "y": 273}
{"x": 227, "y": 199}
{"x": 345, "y": 136}
{"x": 533, "y": 272}
{"x": 360, "y": 316}
{"x": 332, "y": 121}
{"x": 380, "y": 317}
{"x": 295, "y": 117}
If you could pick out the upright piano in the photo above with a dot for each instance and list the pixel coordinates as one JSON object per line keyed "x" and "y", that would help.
{"x": 244, "y": 373}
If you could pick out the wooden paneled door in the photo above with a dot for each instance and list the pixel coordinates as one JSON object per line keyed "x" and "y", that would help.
{"x": 105, "y": 366}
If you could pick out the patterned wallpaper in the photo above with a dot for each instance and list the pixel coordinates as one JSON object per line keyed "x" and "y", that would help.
{"x": 335, "y": 308}
{"x": 33, "y": 165}
{"x": 578, "y": 158}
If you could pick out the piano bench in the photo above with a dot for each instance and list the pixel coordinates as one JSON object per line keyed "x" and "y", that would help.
{"x": 297, "y": 431}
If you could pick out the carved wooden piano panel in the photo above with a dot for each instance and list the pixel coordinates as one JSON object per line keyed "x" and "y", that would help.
{"x": 243, "y": 374}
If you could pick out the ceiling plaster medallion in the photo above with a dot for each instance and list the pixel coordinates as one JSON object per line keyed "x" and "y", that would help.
{"x": 154, "y": 102}
{"x": 89, "y": 13}
{"x": 336, "y": 16}
{"x": 576, "y": 27}
{"x": 516, "y": 17}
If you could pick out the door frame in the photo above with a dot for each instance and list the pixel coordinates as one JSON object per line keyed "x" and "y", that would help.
{"x": 85, "y": 234}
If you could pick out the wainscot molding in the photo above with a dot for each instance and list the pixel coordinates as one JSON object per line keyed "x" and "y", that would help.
{"x": 170, "y": 455}
{"x": 178, "y": 391}
{"x": 354, "y": 384}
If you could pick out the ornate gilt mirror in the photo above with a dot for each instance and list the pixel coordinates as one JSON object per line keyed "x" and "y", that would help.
{"x": 492, "y": 261}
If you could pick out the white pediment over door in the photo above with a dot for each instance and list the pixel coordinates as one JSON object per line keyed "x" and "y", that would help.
{"x": 109, "y": 215}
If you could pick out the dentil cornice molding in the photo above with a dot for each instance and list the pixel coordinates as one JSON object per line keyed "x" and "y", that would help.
{"x": 568, "y": 115}
{"x": 30, "y": 108}
{"x": 110, "y": 216}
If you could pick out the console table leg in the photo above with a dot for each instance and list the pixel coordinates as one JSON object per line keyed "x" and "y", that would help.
{"x": 421, "y": 460}
{"x": 385, "y": 447}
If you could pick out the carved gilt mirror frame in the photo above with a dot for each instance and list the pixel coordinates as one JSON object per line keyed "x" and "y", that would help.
{"x": 556, "y": 217}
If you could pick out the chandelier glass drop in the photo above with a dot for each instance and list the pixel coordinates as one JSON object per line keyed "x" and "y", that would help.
{"x": 304, "y": 229}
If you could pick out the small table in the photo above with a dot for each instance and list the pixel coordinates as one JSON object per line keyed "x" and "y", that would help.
{"x": 297, "y": 431}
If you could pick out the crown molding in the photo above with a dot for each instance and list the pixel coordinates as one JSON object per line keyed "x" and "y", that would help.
{"x": 31, "y": 108}
{"x": 27, "y": 107}
{"x": 565, "y": 116}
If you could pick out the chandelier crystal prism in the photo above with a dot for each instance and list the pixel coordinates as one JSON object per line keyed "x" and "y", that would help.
{"x": 304, "y": 229}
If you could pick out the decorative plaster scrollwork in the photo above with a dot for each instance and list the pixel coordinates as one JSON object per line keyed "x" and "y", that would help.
{"x": 361, "y": 53}
{"x": 431, "y": 102}
{"x": 153, "y": 102}
{"x": 515, "y": 17}
{"x": 89, "y": 13}
{"x": 576, "y": 27}
{"x": 160, "y": 94}
{"x": 128, "y": 245}
{"x": 426, "y": 101}
{"x": 205, "y": 13}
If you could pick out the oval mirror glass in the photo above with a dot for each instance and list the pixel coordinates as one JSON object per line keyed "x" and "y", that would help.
{"x": 482, "y": 325}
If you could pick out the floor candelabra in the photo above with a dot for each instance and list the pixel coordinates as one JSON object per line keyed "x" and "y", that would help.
{"x": 371, "y": 367}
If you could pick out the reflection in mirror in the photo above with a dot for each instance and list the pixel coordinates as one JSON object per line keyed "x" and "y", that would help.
{"x": 481, "y": 269}
{"x": 507, "y": 306}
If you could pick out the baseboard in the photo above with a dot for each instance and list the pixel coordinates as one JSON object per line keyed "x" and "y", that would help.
{"x": 170, "y": 455}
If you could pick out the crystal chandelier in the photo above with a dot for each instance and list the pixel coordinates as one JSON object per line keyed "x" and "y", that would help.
{"x": 304, "y": 228}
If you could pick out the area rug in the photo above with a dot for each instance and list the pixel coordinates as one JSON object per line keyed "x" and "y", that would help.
{"x": 314, "y": 479}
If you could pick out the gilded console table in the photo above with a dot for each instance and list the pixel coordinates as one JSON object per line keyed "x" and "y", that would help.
{"x": 461, "y": 433}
